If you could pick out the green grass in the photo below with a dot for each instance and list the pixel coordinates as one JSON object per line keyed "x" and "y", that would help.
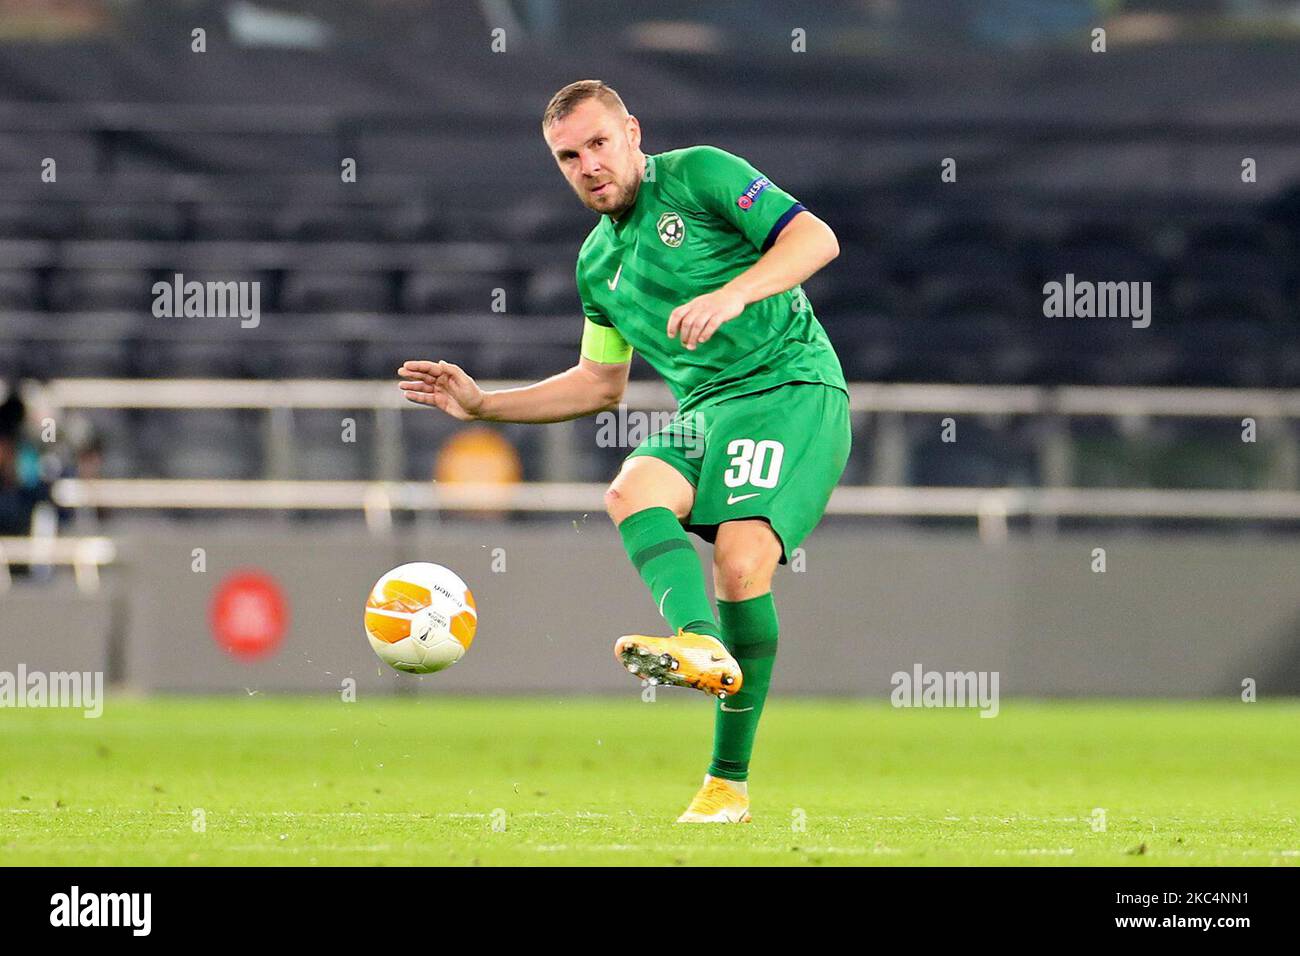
{"x": 599, "y": 781}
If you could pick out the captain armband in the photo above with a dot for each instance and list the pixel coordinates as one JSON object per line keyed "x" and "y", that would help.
{"x": 602, "y": 343}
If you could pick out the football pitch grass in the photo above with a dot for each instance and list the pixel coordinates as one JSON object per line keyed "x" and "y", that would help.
{"x": 580, "y": 780}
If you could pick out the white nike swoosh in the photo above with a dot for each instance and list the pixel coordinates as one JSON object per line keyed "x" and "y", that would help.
{"x": 661, "y": 602}
{"x": 735, "y": 710}
{"x": 613, "y": 283}
{"x": 732, "y": 499}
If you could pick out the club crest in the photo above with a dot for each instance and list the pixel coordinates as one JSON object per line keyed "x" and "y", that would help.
{"x": 672, "y": 230}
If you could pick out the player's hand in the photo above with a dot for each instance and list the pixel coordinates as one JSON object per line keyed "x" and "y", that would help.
{"x": 697, "y": 320}
{"x": 442, "y": 385}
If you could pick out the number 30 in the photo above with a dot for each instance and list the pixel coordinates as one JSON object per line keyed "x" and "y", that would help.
{"x": 754, "y": 463}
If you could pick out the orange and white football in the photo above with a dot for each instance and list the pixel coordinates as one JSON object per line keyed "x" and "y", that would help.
{"x": 420, "y": 618}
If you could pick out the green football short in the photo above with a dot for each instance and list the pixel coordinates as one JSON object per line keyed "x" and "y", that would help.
{"x": 775, "y": 455}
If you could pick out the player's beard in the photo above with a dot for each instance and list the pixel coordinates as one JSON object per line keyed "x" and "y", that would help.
{"x": 623, "y": 199}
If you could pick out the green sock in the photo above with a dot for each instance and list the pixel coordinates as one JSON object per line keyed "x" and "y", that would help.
{"x": 749, "y": 630}
{"x": 663, "y": 556}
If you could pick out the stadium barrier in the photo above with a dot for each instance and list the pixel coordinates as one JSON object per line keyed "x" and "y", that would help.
{"x": 1034, "y": 608}
{"x": 1188, "y": 616}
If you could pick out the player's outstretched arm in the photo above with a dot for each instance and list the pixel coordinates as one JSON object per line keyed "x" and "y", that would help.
{"x": 586, "y": 388}
{"x": 805, "y": 245}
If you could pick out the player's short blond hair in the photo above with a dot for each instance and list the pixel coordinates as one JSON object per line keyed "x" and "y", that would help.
{"x": 566, "y": 100}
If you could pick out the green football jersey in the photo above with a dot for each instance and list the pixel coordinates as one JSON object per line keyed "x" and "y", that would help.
{"x": 701, "y": 217}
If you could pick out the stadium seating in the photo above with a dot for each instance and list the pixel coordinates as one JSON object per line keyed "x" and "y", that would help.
{"x": 959, "y": 301}
{"x": 458, "y": 237}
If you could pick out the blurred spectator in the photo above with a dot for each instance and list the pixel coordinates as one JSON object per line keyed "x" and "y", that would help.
{"x": 21, "y": 484}
{"x": 482, "y": 456}
{"x": 52, "y": 19}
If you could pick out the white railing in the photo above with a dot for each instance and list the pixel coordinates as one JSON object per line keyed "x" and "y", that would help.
{"x": 86, "y": 555}
{"x": 992, "y": 507}
{"x": 378, "y": 500}
{"x": 1150, "y": 401}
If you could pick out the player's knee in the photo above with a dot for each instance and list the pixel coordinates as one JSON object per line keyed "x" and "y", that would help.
{"x": 636, "y": 490}
{"x": 621, "y": 503}
{"x": 743, "y": 570}
{"x": 617, "y": 505}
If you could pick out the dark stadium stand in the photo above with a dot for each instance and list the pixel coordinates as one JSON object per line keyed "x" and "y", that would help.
{"x": 954, "y": 299}
{"x": 458, "y": 237}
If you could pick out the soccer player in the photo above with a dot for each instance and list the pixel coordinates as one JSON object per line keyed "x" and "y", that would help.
{"x": 696, "y": 263}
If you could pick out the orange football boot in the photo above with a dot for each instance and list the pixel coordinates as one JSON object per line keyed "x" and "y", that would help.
{"x": 684, "y": 660}
{"x": 719, "y": 801}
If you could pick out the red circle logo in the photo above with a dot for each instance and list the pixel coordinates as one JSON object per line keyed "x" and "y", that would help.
{"x": 744, "y": 202}
{"x": 248, "y": 615}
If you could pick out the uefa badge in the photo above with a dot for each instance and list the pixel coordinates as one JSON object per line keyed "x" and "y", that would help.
{"x": 746, "y": 199}
{"x": 671, "y": 229}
